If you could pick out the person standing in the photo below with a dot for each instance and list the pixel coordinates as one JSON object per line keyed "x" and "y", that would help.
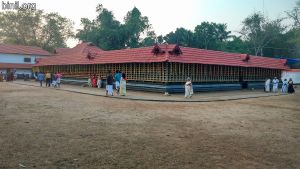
{"x": 284, "y": 87}
{"x": 48, "y": 79}
{"x": 123, "y": 85}
{"x": 53, "y": 80}
{"x": 90, "y": 81}
{"x": 188, "y": 88}
{"x": 94, "y": 81}
{"x": 58, "y": 78}
{"x": 118, "y": 79}
{"x": 41, "y": 78}
{"x": 275, "y": 84}
{"x": 291, "y": 86}
{"x": 267, "y": 85}
{"x": 109, "y": 84}
{"x": 1, "y": 77}
{"x": 99, "y": 81}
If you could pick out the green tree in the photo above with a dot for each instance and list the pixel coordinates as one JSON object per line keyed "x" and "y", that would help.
{"x": 160, "y": 39}
{"x": 89, "y": 31}
{"x": 55, "y": 32}
{"x": 108, "y": 33}
{"x": 109, "y": 30}
{"x": 260, "y": 32}
{"x": 294, "y": 14}
{"x": 210, "y": 35}
{"x": 151, "y": 39}
{"x": 27, "y": 27}
{"x": 20, "y": 27}
{"x": 236, "y": 45}
{"x": 135, "y": 25}
{"x": 104, "y": 31}
{"x": 181, "y": 36}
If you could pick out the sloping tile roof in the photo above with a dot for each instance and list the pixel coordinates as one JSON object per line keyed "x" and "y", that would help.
{"x": 80, "y": 55}
{"x": 21, "y": 49}
{"x": 293, "y": 70}
{"x": 61, "y": 51}
{"x": 15, "y": 66}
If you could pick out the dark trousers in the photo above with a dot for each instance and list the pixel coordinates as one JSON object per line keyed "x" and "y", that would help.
{"x": 41, "y": 83}
{"x": 48, "y": 81}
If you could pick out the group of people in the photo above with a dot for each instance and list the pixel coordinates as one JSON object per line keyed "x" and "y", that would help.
{"x": 50, "y": 79}
{"x": 120, "y": 82}
{"x": 95, "y": 81}
{"x": 287, "y": 86}
{"x": 7, "y": 76}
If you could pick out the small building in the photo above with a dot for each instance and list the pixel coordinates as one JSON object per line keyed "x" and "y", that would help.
{"x": 165, "y": 67}
{"x": 19, "y": 59}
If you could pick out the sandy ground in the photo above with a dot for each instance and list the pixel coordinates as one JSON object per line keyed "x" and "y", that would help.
{"x": 45, "y": 128}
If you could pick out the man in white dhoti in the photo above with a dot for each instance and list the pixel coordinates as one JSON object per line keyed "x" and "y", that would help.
{"x": 284, "y": 88}
{"x": 275, "y": 84}
{"x": 188, "y": 88}
{"x": 267, "y": 85}
{"x": 109, "y": 84}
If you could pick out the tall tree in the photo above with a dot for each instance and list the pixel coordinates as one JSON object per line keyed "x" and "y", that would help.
{"x": 151, "y": 39}
{"x": 236, "y": 45}
{"x": 260, "y": 32}
{"x": 28, "y": 27}
{"x": 135, "y": 25}
{"x": 56, "y": 31}
{"x": 88, "y": 32}
{"x": 20, "y": 27}
{"x": 104, "y": 31}
{"x": 210, "y": 35}
{"x": 181, "y": 36}
{"x": 294, "y": 14}
{"x": 108, "y": 33}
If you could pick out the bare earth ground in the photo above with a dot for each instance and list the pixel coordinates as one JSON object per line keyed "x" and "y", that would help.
{"x": 46, "y": 128}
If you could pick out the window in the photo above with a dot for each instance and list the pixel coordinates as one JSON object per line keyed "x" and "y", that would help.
{"x": 28, "y": 60}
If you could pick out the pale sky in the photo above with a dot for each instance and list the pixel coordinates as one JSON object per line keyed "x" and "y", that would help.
{"x": 167, "y": 15}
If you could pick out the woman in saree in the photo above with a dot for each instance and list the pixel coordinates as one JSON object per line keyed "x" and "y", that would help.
{"x": 123, "y": 85}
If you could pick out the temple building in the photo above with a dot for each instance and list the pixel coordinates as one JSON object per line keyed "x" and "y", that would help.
{"x": 165, "y": 67}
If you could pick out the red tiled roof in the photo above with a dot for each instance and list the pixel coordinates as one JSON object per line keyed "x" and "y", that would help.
{"x": 62, "y": 50}
{"x": 292, "y": 70}
{"x": 15, "y": 66}
{"x": 78, "y": 55}
{"x": 21, "y": 49}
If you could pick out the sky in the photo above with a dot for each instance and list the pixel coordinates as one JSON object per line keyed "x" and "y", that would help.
{"x": 167, "y": 15}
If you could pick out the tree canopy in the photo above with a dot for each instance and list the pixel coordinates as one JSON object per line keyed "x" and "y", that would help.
{"x": 108, "y": 33}
{"x": 36, "y": 28}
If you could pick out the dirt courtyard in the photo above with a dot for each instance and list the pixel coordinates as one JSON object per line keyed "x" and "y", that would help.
{"x": 46, "y": 128}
